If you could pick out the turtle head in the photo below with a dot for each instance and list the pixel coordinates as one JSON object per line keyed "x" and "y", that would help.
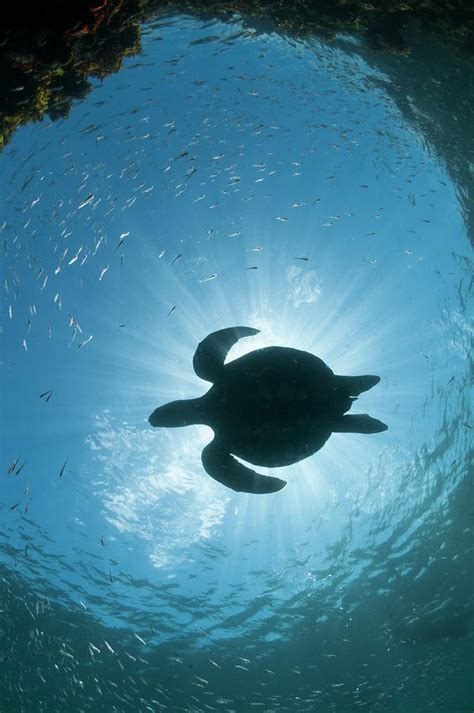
{"x": 178, "y": 413}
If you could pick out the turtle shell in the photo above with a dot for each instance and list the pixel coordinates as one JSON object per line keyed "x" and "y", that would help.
{"x": 274, "y": 406}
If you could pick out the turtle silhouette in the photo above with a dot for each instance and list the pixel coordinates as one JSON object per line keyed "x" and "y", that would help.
{"x": 271, "y": 407}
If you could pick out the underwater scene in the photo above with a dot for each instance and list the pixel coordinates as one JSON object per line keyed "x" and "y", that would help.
{"x": 236, "y": 358}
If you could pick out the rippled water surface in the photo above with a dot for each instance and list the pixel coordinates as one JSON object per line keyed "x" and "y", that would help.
{"x": 226, "y": 177}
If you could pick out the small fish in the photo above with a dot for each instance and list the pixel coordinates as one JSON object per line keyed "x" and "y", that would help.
{"x": 109, "y": 647}
{"x": 176, "y": 259}
{"x": 301, "y": 258}
{"x": 18, "y": 471}
{"x": 47, "y": 394}
{"x": 104, "y": 270}
{"x": 13, "y": 465}
{"x": 74, "y": 332}
{"x": 86, "y": 341}
{"x": 235, "y": 235}
{"x": 62, "y": 468}
{"x": 211, "y": 277}
{"x": 254, "y": 267}
{"x": 140, "y": 639}
{"x": 282, "y": 218}
{"x": 13, "y": 507}
{"x": 89, "y": 129}
{"x": 171, "y": 310}
{"x": 88, "y": 200}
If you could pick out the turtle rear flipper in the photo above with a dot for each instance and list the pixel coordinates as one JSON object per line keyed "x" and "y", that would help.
{"x": 224, "y": 468}
{"x": 355, "y": 385}
{"x": 211, "y": 352}
{"x": 358, "y": 423}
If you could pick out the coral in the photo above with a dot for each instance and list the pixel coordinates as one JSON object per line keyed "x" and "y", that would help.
{"x": 52, "y": 50}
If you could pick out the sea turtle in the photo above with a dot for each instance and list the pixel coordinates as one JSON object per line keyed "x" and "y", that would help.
{"x": 272, "y": 407}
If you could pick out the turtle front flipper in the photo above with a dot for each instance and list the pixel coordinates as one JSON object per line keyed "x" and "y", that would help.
{"x": 212, "y": 351}
{"x": 224, "y": 468}
{"x": 358, "y": 423}
{"x": 355, "y": 385}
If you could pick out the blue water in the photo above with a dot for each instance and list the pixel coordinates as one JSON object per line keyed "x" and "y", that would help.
{"x": 179, "y": 197}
